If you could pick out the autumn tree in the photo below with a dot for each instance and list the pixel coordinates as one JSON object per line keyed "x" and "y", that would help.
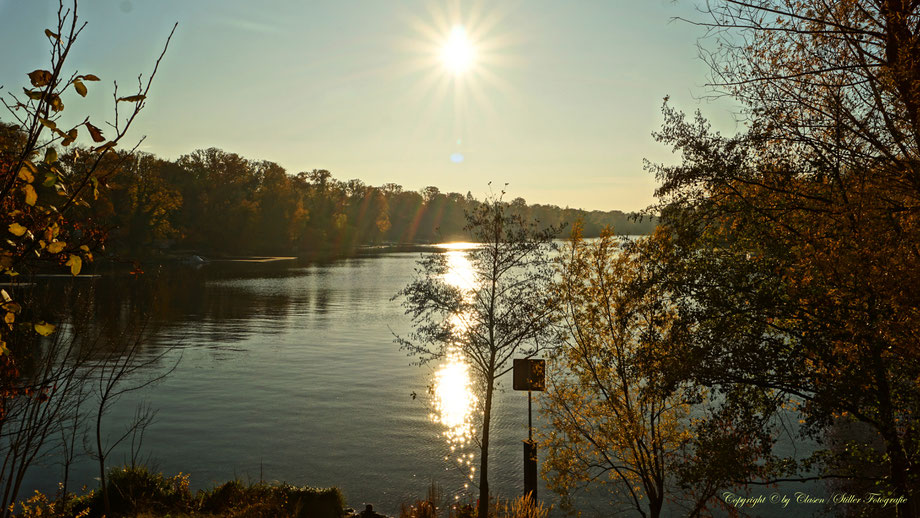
{"x": 796, "y": 242}
{"x": 504, "y": 313}
{"x": 43, "y": 209}
{"x": 615, "y": 421}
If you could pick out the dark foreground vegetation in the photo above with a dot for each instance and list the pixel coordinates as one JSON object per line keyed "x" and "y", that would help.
{"x": 139, "y": 492}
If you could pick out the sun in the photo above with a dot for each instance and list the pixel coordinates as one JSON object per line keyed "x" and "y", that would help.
{"x": 458, "y": 53}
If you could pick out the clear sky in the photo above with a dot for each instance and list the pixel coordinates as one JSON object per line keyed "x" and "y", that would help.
{"x": 559, "y": 98}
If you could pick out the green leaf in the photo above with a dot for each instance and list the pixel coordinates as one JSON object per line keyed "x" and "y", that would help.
{"x": 80, "y": 87}
{"x": 133, "y": 98}
{"x": 75, "y": 264}
{"x": 50, "y": 179}
{"x": 51, "y": 155}
{"x": 43, "y": 328}
{"x": 16, "y": 229}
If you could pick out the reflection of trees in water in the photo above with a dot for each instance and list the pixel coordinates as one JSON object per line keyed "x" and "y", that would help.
{"x": 214, "y": 306}
{"x": 69, "y": 381}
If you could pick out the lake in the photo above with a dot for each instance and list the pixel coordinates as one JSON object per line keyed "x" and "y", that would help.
{"x": 288, "y": 372}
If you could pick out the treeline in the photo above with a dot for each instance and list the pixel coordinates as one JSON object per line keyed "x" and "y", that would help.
{"x": 218, "y": 202}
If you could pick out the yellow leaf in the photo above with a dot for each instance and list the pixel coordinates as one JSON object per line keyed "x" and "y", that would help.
{"x": 56, "y": 247}
{"x": 90, "y": 77}
{"x": 10, "y": 317}
{"x": 50, "y": 34}
{"x": 56, "y": 103}
{"x": 16, "y": 229}
{"x": 80, "y": 88}
{"x": 108, "y": 145}
{"x": 40, "y": 78}
{"x": 84, "y": 248}
{"x": 26, "y": 175}
{"x": 31, "y": 195}
{"x": 3, "y": 349}
{"x": 35, "y": 95}
{"x": 75, "y": 264}
{"x": 44, "y": 329}
{"x": 133, "y": 98}
{"x": 48, "y": 124}
{"x": 69, "y": 137}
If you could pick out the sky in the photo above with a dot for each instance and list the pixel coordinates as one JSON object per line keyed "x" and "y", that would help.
{"x": 559, "y": 99}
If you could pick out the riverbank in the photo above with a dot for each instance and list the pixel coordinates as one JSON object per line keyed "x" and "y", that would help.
{"x": 139, "y": 492}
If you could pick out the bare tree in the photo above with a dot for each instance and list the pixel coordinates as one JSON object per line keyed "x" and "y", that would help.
{"x": 130, "y": 370}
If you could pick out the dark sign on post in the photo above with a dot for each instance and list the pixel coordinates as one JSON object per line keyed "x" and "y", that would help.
{"x": 529, "y": 374}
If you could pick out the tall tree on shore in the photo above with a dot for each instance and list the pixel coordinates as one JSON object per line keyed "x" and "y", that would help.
{"x": 616, "y": 423}
{"x": 504, "y": 313}
{"x": 798, "y": 241}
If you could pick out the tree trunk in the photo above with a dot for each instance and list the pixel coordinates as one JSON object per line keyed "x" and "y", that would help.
{"x": 898, "y": 462}
{"x": 483, "y": 511}
{"x": 105, "y": 489}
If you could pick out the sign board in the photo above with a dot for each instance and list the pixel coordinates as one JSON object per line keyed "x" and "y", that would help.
{"x": 529, "y": 374}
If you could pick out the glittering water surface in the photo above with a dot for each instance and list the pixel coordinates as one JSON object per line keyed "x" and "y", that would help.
{"x": 289, "y": 372}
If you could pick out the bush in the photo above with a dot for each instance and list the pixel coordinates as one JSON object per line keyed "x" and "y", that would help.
{"x": 139, "y": 492}
{"x": 40, "y": 506}
{"x": 134, "y": 490}
{"x": 234, "y": 499}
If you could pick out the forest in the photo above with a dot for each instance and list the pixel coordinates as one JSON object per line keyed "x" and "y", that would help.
{"x": 216, "y": 202}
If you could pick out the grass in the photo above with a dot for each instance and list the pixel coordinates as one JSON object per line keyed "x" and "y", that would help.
{"x": 434, "y": 506}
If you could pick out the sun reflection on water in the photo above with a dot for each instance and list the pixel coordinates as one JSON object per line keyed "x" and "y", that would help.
{"x": 454, "y": 393}
{"x": 454, "y": 400}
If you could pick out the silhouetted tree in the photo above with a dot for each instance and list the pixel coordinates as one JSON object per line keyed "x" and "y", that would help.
{"x": 505, "y": 313}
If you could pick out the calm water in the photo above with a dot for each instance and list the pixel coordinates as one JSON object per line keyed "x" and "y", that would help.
{"x": 288, "y": 372}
